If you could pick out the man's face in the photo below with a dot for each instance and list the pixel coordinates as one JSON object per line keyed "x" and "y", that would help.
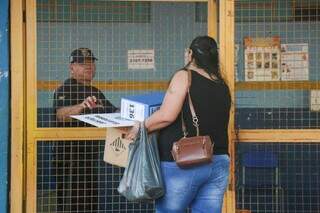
{"x": 83, "y": 72}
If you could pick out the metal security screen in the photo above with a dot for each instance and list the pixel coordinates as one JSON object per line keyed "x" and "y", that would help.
{"x": 278, "y": 91}
{"x": 71, "y": 174}
{"x": 278, "y": 177}
{"x": 72, "y": 177}
{"x": 277, "y": 88}
{"x": 115, "y": 32}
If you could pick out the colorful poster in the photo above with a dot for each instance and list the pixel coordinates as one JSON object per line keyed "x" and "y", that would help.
{"x": 140, "y": 59}
{"x": 262, "y": 59}
{"x": 294, "y": 62}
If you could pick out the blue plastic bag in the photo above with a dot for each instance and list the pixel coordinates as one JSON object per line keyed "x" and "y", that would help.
{"x": 142, "y": 180}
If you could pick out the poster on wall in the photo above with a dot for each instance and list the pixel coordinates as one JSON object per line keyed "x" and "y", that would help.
{"x": 140, "y": 59}
{"x": 294, "y": 62}
{"x": 262, "y": 59}
{"x": 315, "y": 100}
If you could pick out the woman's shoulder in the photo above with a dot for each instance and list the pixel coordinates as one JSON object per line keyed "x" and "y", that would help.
{"x": 180, "y": 76}
{"x": 179, "y": 80}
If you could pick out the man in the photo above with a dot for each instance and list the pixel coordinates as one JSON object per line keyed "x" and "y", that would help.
{"x": 77, "y": 162}
{"x": 76, "y": 95}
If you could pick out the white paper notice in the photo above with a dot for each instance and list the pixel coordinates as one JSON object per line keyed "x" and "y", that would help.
{"x": 315, "y": 100}
{"x": 140, "y": 59}
{"x": 104, "y": 120}
{"x": 294, "y": 62}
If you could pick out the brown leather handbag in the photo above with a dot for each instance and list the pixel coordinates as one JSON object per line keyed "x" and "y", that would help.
{"x": 192, "y": 151}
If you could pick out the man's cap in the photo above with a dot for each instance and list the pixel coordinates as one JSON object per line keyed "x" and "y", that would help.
{"x": 79, "y": 55}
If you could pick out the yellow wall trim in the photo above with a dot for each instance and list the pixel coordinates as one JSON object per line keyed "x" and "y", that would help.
{"x": 278, "y": 85}
{"x": 280, "y": 136}
{"x": 112, "y": 85}
{"x": 162, "y": 85}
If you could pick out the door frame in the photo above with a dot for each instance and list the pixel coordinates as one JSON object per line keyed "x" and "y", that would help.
{"x": 25, "y": 132}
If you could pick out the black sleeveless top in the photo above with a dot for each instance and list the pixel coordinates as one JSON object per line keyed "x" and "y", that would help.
{"x": 212, "y": 101}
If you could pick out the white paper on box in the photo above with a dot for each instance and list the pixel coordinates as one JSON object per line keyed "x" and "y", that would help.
{"x": 139, "y": 107}
{"x": 104, "y": 120}
{"x": 132, "y": 110}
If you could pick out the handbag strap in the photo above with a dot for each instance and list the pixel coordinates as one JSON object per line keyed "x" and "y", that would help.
{"x": 195, "y": 119}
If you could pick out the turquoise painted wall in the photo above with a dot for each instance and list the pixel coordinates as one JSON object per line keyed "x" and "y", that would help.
{"x": 4, "y": 107}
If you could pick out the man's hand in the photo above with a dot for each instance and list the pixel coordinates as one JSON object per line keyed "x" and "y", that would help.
{"x": 91, "y": 102}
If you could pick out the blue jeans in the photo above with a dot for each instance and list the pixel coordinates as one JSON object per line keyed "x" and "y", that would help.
{"x": 201, "y": 188}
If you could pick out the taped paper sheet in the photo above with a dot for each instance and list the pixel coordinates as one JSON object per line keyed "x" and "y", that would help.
{"x": 104, "y": 120}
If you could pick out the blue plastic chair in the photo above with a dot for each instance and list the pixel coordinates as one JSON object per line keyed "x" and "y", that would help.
{"x": 265, "y": 161}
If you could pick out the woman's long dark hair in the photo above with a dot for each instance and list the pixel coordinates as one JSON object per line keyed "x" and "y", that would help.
{"x": 206, "y": 56}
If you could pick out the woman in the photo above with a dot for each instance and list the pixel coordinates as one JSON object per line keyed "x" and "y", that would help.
{"x": 201, "y": 187}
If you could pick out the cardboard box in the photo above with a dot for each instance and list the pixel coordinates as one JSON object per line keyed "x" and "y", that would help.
{"x": 116, "y": 148}
{"x": 133, "y": 108}
{"x": 139, "y": 107}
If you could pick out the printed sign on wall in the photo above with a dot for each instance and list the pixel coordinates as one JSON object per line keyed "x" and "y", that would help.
{"x": 262, "y": 59}
{"x": 315, "y": 100}
{"x": 294, "y": 62}
{"x": 141, "y": 59}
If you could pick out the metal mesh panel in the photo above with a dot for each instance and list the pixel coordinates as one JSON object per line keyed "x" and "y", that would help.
{"x": 272, "y": 93}
{"x": 111, "y": 29}
{"x": 277, "y": 60}
{"x": 284, "y": 178}
{"x": 72, "y": 177}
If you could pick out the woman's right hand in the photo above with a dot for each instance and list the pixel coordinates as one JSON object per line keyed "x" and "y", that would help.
{"x": 133, "y": 131}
